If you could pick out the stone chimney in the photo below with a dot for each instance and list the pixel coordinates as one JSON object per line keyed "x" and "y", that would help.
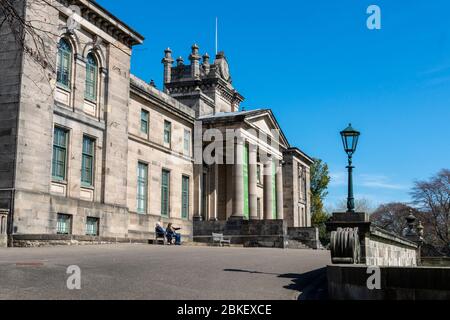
{"x": 195, "y": 62}
{"x": 167, "y": 61}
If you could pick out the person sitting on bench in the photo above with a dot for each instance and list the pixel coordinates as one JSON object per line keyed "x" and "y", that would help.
{"x": 159, "y": 230}
{"x": 172, "y": 234}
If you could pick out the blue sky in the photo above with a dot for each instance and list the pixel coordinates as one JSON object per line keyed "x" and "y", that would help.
{"x": 318, "y": 67}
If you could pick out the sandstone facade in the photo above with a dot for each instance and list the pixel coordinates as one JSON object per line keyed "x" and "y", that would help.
{"x": 129, "y": 127}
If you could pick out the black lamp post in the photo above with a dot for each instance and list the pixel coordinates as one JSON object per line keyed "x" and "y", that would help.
{"x": 350, "y": 140}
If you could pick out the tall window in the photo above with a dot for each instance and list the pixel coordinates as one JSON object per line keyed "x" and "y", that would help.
{"x": 87, "y": 162}
{"x": 185, "y": 198}
{"x": 64, "y": 64}
{"x": 142, "y": 187}
{"x": 92, "y": 226}
{"x": 187, "y": 142}
{"x": 144, "y": 121}
{"x": 59, "y": 154}
{"x": 302, "y": 183}
{"x": 258, "y": 174}
{"x": 165, "y": 191}
{"x": 63, "y": 223}
{"x": 90, "y": 92}
{"x": 167, "y": 131}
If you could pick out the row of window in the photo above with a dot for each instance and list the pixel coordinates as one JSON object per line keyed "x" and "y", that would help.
{"x": 145, "y": 125}
{"x": 64, "y": 225}
{"x": 142, "y": 192}
{"x": 64, "y": 70}
{"x": 59, "y": 162}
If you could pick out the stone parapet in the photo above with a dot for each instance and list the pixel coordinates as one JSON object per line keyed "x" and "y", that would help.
{"x": 40, "y": 240}
{"x": 307, "y": 236}
{"x": 349, "y": 282}
{"x": 250, "y": 233}
{"x": 372, "y": 245}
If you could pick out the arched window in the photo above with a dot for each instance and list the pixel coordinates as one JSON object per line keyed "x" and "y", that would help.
{"x": 64, "y": 64}
{"x": 90, "y": 92}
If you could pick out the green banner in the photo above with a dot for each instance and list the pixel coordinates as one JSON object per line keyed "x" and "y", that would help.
{"x": 245, "y": 175}
{"x": 274, "y": 191}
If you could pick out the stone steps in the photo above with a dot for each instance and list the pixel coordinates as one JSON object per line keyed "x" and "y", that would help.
{"x": 295, "y": 244}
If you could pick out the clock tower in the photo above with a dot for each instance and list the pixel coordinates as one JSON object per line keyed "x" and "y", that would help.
{"x": 206, "y": 88}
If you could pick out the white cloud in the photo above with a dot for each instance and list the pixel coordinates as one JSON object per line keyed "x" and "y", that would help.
{"x": 338, "y": 178}
{"x": 379, "y": 181}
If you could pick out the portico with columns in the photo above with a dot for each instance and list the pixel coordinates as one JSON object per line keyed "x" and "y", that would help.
{"x": 245, "y": 179}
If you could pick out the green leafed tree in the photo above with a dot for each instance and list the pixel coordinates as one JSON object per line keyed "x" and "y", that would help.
{"x": 320, "y": 178}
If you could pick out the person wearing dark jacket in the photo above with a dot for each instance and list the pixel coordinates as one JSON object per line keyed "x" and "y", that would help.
{"x": 172, "y": 234}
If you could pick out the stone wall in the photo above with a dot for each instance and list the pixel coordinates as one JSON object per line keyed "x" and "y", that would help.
{"x": 383, "y": 248}
{"x": 308, "y": 236}
{"x": 10, "y": 87}
{"x": 297, "y": 211}
{"x": 36, "y": 213}
{"x": 67, "y": 240}
{"x": 142, "y": 226}
{"x": 349, "y": 282}
{"x": 377, "y": 247}
{"x": 251, "y": 233}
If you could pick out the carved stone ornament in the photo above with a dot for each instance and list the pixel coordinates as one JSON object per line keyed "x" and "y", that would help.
{"x": 345, "y": 247}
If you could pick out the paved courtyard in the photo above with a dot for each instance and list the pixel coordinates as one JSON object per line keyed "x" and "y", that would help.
{"x": 163, "y": 272}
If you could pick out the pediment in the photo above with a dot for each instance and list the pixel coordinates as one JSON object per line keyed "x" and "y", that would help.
{"x": 266, "y": 122}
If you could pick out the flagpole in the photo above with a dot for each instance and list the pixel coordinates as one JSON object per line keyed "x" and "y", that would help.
{"x": 216, "y": 35}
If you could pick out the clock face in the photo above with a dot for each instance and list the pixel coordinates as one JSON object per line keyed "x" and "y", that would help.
{"x": 224, "y": 70}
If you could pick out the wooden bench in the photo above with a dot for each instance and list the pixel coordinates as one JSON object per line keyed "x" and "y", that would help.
{"x": 218, "y": 238}
{"x": 160, "y": 237}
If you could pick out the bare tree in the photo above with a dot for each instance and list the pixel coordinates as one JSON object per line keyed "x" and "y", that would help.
{"x": 433, "y": 198}
{"x": 31, "y": 35}
{"x": 392, "y": 216}
{"x": 361, "y": 205}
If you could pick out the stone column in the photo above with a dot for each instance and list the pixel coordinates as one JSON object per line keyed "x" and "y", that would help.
{"x": 252, "y": 183}
{"x": 279, "y": 190}
{"x": 214, "y": 183}
{"x": 268, "y": 189}
{"x": 238, "y": 180}
{"x": 198, "y": 186}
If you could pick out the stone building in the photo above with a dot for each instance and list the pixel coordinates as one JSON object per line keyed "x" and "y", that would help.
{"x": 92, "y": 152}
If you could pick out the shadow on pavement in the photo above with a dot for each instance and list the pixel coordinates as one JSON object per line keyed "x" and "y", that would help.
{"x": 310, "y": 285}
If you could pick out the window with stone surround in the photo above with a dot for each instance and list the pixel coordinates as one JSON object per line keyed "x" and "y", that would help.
{"x": 144, "y": 121}
{"x": 167, "y": 132}
{"x": 64, "y": 224}
{"x": 90, "y": 92}
{"x": 64, "y": 64}
{"x": 301, "y": 183}
{"x": 187, "y": 142}
{"x": 59, "y": 161}
{"x": 165, "y": 193}
{"x": 92, "y": 226}
{"x": 142, "y": 188}
{"x": 87, "y": 162}
{"x": 185, "y": 197}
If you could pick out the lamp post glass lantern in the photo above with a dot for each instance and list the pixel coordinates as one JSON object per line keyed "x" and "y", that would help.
{"x": 350, "y": 138}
